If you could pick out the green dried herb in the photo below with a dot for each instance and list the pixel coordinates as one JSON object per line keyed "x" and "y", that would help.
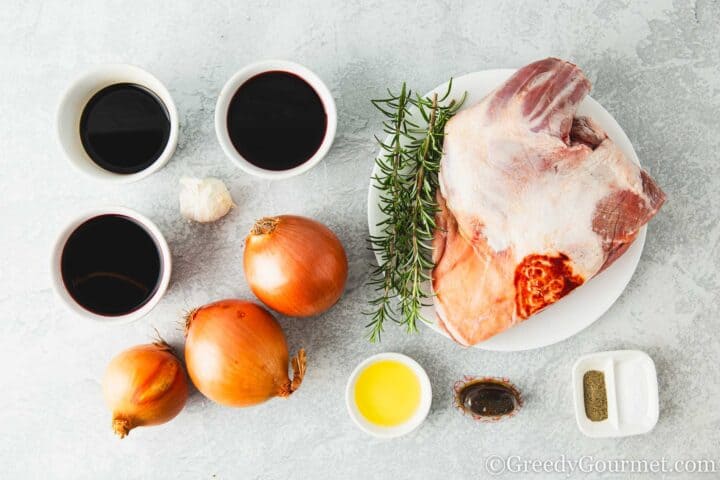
{"x": 595, "y": 395}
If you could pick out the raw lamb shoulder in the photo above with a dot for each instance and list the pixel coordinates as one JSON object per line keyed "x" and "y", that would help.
{"x": 534, "y": 202}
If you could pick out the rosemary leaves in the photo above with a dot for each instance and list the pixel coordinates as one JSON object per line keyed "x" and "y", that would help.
{"x": 407, "y": 178}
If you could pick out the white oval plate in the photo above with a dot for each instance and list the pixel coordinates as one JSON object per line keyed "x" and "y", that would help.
{"x": 584, "y": 305}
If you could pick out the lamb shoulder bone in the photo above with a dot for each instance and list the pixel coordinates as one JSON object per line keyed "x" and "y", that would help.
{"x": 533, "y": 202}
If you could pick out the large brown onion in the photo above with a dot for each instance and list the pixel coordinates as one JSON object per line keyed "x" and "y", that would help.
{"x": 295, "y": 265}
{"x": 236, "y": 354}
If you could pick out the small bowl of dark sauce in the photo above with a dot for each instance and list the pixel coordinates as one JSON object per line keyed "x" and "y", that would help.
{"x": 487, "y": 399}
{"x": 117, "y": 123}
{"x": 275, "y": 119}
{"x": 111, "y": 265}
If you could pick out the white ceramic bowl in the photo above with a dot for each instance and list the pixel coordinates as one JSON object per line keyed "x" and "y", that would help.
{"x": 227, "y": 93}
{"x": 74, "y": 101}
{"x": 56, "y": 271}
{"x": 402, "y": 429}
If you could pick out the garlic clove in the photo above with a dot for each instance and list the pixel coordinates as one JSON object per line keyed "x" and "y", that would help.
{"x": 204, "y": 200}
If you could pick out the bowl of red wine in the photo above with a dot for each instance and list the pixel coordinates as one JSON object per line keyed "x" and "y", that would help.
{"x": 117, "y": 123}
{"x": 111, "y": 265}
{"x": 275, "y": 119}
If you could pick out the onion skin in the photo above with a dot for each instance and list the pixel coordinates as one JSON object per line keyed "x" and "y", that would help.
{"x": 295, "y": 265}
{"x": 144, "y": 385}
{"x": 236, "y": 354}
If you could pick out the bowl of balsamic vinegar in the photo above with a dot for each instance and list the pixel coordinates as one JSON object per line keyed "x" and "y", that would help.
{"x": 275, "y": 119}
{"x": 117, "y": 123}
{"x": 111, "y": 265}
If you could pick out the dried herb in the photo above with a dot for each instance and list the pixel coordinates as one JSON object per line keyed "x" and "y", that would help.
{"x": 408, "y": 179}
{"x": 595, "y": 395}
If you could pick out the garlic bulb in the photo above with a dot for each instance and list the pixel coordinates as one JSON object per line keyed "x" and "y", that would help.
{"x": 204, "y": 200}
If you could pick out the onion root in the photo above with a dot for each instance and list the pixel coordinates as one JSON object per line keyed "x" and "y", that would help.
{"x": 121, "y": 426}
{"x": 299, "y": 365}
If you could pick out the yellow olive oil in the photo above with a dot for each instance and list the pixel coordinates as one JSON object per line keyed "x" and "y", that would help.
{"x": 387, "y": 393}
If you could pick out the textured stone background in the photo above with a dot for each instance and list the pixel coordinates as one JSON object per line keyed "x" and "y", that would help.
{"x": 654, "y": 65}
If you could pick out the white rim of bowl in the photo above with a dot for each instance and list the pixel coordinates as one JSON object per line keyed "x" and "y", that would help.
{"x": 242, "y": 76}
{"x": 56, "y": 271}
{"x": 73, "y": 101}
{"x": 403, "y": 429}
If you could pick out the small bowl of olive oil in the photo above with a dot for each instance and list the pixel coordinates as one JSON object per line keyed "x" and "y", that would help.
{"x": 388, "y": 395}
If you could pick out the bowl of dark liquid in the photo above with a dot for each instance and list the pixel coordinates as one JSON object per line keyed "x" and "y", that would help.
{"x": 112, "y": 265}
{"x": 275, "y": 119}
{"x": 117, "y": 123}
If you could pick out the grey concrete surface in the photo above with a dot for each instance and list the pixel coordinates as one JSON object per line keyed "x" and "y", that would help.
{"x": 655, "y": 67}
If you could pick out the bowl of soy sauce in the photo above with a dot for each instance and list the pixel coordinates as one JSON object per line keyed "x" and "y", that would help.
{"x": 275, "y": 119}
{"x": 111, "y": 265}
{"x": 117, "y": 123}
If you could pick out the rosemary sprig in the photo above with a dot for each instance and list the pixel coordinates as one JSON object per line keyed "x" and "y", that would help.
{"x": 408, "y": 179}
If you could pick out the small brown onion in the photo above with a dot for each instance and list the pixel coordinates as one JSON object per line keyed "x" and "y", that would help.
{"x": 236, "y": 354}
{"x": 295, "y": 265}
{"x": 144, "y": 385}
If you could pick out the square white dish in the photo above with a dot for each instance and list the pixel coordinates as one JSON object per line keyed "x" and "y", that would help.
{"x": 632, "y": 393}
